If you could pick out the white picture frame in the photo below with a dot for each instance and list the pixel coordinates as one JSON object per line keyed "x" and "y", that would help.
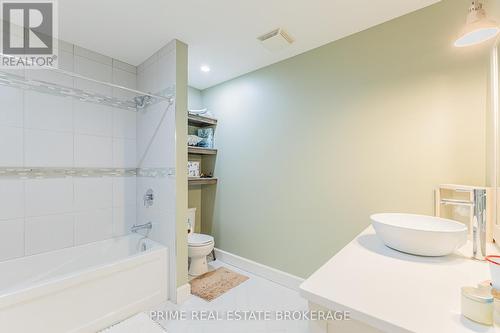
{"x": 194, "y": 169}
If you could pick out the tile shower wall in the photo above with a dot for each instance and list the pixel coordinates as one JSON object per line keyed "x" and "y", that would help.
{"x": 156, "y": 150}
{"x": 42, "y": 130}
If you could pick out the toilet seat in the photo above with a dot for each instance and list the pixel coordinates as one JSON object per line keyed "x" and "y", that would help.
{"x": 199, "y": 240}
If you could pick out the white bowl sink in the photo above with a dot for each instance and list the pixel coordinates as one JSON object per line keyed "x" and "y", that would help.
{"x": 419, "y": 234}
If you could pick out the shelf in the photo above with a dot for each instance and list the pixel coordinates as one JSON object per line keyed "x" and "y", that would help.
{"x": 202, "y": 151}
{"x": 136, "y": 100}
{"x": 202, "y": 181}
{"x": 200, "y": 121}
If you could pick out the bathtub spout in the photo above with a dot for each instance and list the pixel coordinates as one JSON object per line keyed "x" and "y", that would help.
{"x": 136, "y": 227}
{"x": 143, "y": 244}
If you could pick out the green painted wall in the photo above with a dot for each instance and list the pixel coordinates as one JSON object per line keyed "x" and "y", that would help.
{"x": 195, "y": 99}
{"x": 311, "y": 146}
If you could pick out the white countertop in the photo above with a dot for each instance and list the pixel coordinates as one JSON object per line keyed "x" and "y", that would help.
{"x": 396, "y": 292}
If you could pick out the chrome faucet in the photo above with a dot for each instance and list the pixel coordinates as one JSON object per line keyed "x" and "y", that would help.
{"x": 149, "y": 198}
{"x": 479, "y": 225}
{"x": 477, "y": 203}
{"x": 136, "y": 227}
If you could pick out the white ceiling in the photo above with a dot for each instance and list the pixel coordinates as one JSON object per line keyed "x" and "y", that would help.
{"x": 220, "y": 33}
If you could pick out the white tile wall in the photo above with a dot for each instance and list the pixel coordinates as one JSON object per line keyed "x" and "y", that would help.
{"x": 44, "y": 148}
{"x": 44, "y": 111}
{"x": 124, "y": 191}
{"x": 11, "y": 199}
{"x": 47, "y": 233}
{"x": 41, "y": 130}
{"x": 93, "y": 151}
{"x": 123, "y": 219}
{"x": 166, "y": 67}
{"x": 124, "y": 204}
{"x": 11, "y": 112}
{"x": 65, "y": 62}
{"x": 124, "y": 153}
{"x": 161, "y": 151}
{"x": 124, "y": 66}
{"x": 164, "y": 191}
{"x": 49, "y": 196}
{"x": 126, "y": 78}
{"x": 64, "y": 212}
{"x": 93, "y": 56}
{"x": 156, "y": 74}
{"x": 93, "y": 193}
{"x": 93, "y": 119}
{"x": 94, "y": 70}
{"x": 11, "y": 146}
{"x": 148, "y": 80}
{"x": 124, "y": 124}
{"x": 11, "y": 239}
{"x": 93, "y": 226}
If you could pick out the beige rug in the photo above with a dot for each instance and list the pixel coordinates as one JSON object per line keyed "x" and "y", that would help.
{"x": 213, "y": 284}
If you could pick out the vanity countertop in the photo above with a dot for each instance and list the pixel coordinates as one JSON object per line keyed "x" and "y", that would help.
{"x": 396, "y": 292}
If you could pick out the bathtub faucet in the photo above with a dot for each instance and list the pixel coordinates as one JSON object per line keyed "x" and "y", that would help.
{"x": 136, "y": 227}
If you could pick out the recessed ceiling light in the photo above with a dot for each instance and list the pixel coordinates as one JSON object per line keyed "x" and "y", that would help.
{"x": 205, "y": 69}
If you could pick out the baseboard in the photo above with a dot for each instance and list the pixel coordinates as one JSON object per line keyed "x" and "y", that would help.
{"x": 269, "y": 273}
{"x": 183, "y": 293}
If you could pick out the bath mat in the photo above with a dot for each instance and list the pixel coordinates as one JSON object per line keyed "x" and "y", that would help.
{"x": 140, "y": 323}
{"x": 213, "y": 284}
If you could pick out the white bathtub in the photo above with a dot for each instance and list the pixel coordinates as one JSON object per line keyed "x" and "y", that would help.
{"x": 82, "y": 289}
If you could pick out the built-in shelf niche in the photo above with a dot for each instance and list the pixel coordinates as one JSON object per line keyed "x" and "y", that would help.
{"x": 202, "y": 151}
{"x": 202, "y": 181}
{"x": 200, "y": 121}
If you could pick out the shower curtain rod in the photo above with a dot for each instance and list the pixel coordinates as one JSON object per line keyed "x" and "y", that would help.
{"x": 112, "y": 85}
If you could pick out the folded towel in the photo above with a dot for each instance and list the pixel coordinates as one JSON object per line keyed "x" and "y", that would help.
{"x": 207, "y": 135}
{"x": 202, "y": 112}
{"x": 193, "y": 140}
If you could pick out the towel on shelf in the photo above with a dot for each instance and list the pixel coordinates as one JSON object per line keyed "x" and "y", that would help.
{"x": 202, "y": 112}
{"x": 193, "y": 140}
{"x": 207, "y": 135}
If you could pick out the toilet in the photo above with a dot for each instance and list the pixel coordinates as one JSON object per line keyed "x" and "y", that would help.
{"x": 199, "y": 247}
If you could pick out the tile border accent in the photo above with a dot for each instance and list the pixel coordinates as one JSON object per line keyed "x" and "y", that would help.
{"x": 40, "y": 173}
{"x": 49, "y": 172}
{"x": 155, "y": 172}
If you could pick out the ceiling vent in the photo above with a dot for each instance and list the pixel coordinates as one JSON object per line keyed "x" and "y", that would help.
{"x": 276, "y": 40}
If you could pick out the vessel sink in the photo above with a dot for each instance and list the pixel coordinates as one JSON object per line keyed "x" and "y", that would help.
{"x": 419, "y": 234}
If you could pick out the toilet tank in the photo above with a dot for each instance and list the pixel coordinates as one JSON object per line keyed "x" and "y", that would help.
{"x": 191, "y": 219}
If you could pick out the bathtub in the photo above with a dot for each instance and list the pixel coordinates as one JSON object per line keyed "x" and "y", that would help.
{"x": 84, "y": 288}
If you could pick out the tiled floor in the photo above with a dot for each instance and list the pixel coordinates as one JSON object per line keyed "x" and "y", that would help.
{"x": 140, "y": 323}
{"x": 255, "y": 294}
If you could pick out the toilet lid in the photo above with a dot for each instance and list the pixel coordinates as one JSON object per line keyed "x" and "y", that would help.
{"x": 199, "y": 239}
